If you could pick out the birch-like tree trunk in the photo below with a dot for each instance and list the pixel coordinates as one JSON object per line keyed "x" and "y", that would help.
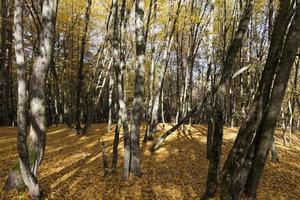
{"x": 28, "y": 177}
{"x": 31, "y": 158}
{"x": 110, "y": 102}
{"x": 138, "y": 100}
{"x": 118, "y": 66}
{"x": 37, "y": 85}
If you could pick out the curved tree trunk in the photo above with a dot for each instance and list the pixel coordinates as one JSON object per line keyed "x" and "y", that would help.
{"x": 28, "y": 177}
{"x": 31, "y": 157}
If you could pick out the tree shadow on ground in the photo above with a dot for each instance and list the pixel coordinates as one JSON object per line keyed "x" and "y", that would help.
{"x": 72, "y": 167}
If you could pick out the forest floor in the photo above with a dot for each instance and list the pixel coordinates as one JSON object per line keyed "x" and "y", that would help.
{"x": 72, "y": 167}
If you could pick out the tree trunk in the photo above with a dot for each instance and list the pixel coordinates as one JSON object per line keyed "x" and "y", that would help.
{"x": 221, "y": 97}
{"x": 118, "y": 66}
{"x": 138, "y": 101}
{"x": 37, "y": 85}
{"x": 269, "y": 121}
{"x": 154, "y": 45}
{"x": 275, "y": 157}
{"x": 234, "y": 177}
{"x": 163, "y": 64}
{"x": 80, "y": 68}
{"x": 5, "y": 63}
{"x": 116, "y": 142}
{"x": 110, "y": 103}
{"x": 28, "y": 177}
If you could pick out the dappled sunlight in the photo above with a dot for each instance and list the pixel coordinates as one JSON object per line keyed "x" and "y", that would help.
{"x": 64, "y": 178}
{"x": 55, "y": 132}
{"x": 2, "y": 141}
{"x": 62, "y": 164}
{"x": 73, "y": 169}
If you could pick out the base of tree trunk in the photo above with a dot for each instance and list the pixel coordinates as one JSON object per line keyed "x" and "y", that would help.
{"x": 14, "y": 181}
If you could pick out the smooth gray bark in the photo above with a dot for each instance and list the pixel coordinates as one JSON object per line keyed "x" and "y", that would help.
{"x": 138, "y": 100}
{"x": 28, "y": 177}
{"x": 119, "y": 71}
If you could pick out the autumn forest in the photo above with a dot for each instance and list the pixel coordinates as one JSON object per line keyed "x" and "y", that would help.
{"x": 150, "y": 99}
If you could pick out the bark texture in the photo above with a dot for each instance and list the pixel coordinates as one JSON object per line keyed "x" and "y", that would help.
{"x": 239, "y": 159}
{"x": 138, "y": 101}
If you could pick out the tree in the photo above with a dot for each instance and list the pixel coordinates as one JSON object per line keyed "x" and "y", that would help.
{"x": 6, "y": 112}
{"x": 264, "y": 135}
{"x": 239, "y": 162}
{"x": 163, "y": 64}
{"x": 138, "y": 101}
{"x": 221, "y": 98}
{"x": 80, "y": 67}
{"x": 31, "y": 155}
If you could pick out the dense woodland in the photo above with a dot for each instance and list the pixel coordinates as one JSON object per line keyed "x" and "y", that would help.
{"x": 134, "y": 63}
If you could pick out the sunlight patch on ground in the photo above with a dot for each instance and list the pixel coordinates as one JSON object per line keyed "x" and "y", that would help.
{"x": 73, "y": 168}
{"x": 58, "y": 131}
{"x": 62, "y": 164}
{"x": 7, "y": 140}
{"x": 64, "y": 178}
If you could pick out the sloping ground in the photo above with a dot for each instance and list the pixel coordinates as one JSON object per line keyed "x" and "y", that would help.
{"x": 72, "y": 167}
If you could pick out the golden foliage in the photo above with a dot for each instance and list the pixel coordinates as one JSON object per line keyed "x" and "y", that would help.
{"x": 72, "y": 168}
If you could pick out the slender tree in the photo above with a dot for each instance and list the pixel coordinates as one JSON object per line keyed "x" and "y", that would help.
{"x": 81, "y": 65}
{"x": 221, "y": 97}
{"x": 234, "y": 177}
{"x": 31, "y": 157}
{"x": 138, "y": 101}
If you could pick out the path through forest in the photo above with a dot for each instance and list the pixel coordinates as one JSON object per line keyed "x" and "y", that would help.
{"x": 72, "y": 168}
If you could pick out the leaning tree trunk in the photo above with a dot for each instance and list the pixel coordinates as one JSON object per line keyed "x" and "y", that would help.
{"x": 163, "y": 64}
{"x": 138, "y": 101}
{"x": 234, "y": 176}
{"x": 268, "y": 124}
{"x": 221, "y": 97}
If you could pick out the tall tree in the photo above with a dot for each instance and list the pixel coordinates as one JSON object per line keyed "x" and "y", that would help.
{"x": 220, "y": 99}
{"x": 28, "y": 177}
{"x": 138, "y": 101}
{"x": 6, "y": 62}
{"x": 31, "y": 156}
{"x": 264, "y": 135}
{"x": 118, "y": 64}
{"x": 233, "y": 178}
{"x": 163, "y": 64}
{"x": 81, "y": 65}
